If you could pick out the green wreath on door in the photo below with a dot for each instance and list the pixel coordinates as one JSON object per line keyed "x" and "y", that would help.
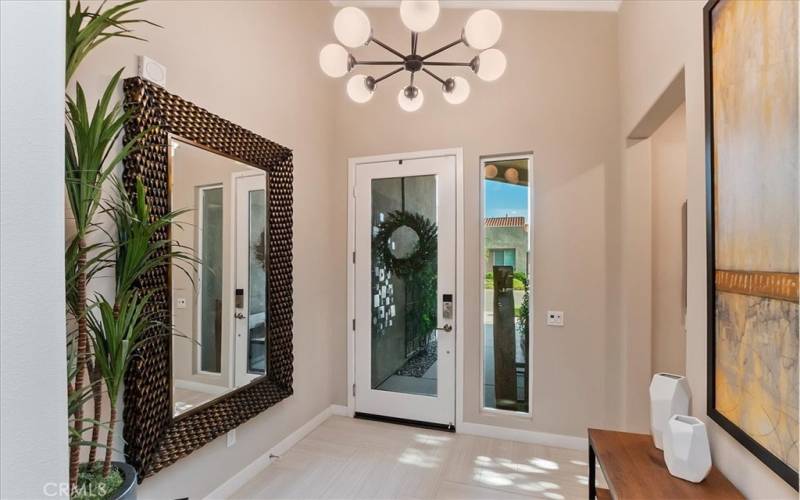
{"x": 418, "y": 270}
{"x": 425, "y": 249}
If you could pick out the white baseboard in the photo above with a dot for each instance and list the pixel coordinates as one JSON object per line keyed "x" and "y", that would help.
{"x": 241, "y": 478}
{"x": 341, "y": 410}
{"x": 534, "y": 437}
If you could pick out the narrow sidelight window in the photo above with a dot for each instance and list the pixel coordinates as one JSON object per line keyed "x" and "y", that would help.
{"x": 507, "y": 229}
{"x": 210, "y": 269}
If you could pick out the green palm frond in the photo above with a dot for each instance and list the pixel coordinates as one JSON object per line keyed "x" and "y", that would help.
{"x": 139, "y": 249}
{"x": 89, "y": 144}
{"x": 116, "y": 331}
{"x": 85, "y": 29}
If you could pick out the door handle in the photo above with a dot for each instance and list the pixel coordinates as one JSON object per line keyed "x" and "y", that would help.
{"x": 238, "y": 315}
{"x": 446, "y": 328}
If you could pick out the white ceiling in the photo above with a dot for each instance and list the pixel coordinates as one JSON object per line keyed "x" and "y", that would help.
{"x": 563, "y": 5}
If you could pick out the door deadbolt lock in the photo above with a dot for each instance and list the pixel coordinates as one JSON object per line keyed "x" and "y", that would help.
{"x": 447, "y": 306}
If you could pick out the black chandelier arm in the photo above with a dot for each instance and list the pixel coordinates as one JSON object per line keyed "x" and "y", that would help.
{"x": 414, "y": 40}
{"x": 378, "y": 63}
{"x": 393, "y": 51}
{"x": 443, "y": 63}
{"x": 391, "y": 73}
{"x": 433, "y": 75}
{"x": 442, "y": 49}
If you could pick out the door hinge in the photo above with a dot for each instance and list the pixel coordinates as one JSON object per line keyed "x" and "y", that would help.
{"x": 354, "y": 324}
{"x": 354, "y": 257}
{"x": 354, "y": 390}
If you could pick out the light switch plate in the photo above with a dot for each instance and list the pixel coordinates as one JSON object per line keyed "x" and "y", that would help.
{"x": 231, "y": 438}
{"x": 555, "y": 318}
{"x": 180, "y": 303}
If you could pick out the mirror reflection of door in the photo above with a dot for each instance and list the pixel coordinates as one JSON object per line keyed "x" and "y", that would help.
{"x": 219, "y": 340}
{"x": 251, "y": 276}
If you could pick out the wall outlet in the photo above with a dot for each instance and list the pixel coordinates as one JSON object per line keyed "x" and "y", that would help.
{"x": 555, "y": 318}
{"x": 231, "y": 438}
{"x": 180, "y": 303}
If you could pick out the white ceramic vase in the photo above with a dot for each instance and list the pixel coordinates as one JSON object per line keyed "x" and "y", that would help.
{"x": 669, "y": 395}
{"x": 686, "y": 449}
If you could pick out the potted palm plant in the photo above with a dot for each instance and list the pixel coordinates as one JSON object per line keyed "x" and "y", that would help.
{"x": 105, "y": 333}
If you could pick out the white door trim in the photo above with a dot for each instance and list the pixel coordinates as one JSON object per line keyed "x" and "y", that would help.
{"x": 351, "y": 218}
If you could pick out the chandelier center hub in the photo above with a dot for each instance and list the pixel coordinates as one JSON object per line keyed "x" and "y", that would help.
{"x": 413, "y": 63}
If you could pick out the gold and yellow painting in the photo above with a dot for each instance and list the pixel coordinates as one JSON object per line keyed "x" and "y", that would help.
{"x": 753, "y": 90}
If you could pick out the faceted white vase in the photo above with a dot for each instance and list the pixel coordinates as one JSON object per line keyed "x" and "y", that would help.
{"x": 686, "y": 449}
{"x": 669, "y": 395}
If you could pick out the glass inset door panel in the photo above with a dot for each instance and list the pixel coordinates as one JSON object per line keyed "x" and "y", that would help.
{"x": 256, "y": 277}
{"x": 211, "y": 279}
{"x": 404, "y": 285}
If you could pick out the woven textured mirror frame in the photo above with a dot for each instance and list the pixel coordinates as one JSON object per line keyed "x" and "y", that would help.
{"x": 153, "y": 438}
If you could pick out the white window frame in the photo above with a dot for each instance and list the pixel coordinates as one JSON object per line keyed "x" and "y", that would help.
{"x": 484, "y": 160}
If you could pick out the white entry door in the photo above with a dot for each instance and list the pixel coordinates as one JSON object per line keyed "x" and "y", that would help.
{"x": 405, "y": 328}
{"x": 251, "y": 278}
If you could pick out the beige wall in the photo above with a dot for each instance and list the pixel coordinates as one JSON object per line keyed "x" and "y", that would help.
{"x": 635, "y": 273}
{"x": 656, "y": 40}
{"x": 668, "y": 175}
{"x": 558, "y": 99}
{"x": 255, "y": 63}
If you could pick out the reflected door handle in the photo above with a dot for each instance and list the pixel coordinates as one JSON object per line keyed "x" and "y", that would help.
{"x": 446, "y": 328}
{"x": 238, "y": 315}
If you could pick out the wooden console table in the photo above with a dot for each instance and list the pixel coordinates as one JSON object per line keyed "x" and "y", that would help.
{"x": 634, "y": 469}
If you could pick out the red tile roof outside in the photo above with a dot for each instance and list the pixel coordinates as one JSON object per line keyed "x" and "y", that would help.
{"x": 505, "y": 222}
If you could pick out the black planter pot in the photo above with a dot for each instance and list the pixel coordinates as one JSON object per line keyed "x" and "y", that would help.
{"x": 127, "y": 491}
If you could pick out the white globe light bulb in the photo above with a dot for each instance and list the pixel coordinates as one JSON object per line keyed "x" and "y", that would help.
{"x": 410, "y": 104}
{"x": 459, "y": 92}
{"x": 419, "y": 15}
{"x": 491, "y": 65}
{"x": 333, "y": 60}
{"x": 357, "y": 89}
{"x": 483, "y": 29}
{"x": 352, "y": 27}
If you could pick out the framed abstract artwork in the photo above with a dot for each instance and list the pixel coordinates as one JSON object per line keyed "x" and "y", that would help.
{"x": 753, "y": 224}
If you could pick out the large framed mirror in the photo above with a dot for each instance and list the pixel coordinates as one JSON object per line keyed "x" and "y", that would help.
{"x": 224, "y": 353}
{"x": 220, "y": 311}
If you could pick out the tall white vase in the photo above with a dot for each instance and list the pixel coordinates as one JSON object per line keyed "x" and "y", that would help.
{"x": 669, "y": 395}
{"x": 686, "y": 449}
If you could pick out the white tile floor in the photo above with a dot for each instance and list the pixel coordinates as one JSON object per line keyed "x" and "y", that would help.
{"x": 346, "y": 458}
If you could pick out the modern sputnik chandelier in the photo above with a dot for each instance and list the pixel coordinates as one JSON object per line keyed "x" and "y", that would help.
{"x": 353, "y": 30}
